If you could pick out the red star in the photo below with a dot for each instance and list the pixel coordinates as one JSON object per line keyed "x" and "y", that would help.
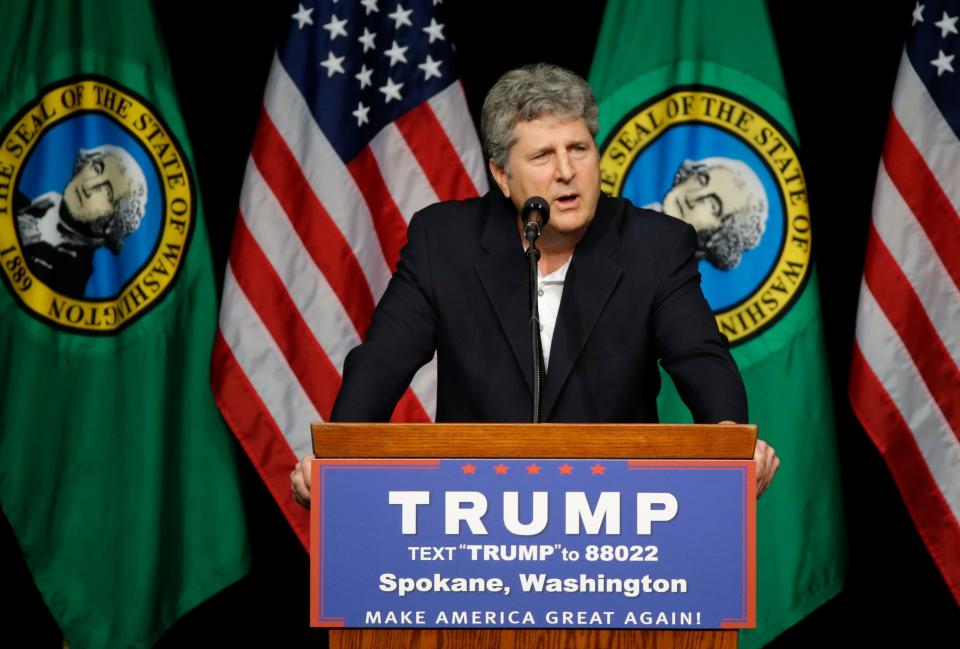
{"x": 533, "y": 469}
{"x": 596, "y": 469}
{"x": 566, "y": 469}
{"x": 501, "y": 469}
{"x": 469, "y": 468}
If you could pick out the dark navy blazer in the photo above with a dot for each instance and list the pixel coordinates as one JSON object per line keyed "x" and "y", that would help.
{"x": 631, "y": 297}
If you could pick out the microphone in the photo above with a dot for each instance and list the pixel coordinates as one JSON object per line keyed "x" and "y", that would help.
{"x": 535, "y": 214}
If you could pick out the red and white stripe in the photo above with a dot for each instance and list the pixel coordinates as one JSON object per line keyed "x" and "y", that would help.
{"x": 905, "y": 374}
{"x": 313, "y": 249}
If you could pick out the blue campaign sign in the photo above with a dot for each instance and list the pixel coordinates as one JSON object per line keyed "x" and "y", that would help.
{"x": 533, "y": 543}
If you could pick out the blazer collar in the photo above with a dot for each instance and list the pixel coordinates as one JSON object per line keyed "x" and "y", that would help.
{"x": 590, "y": 280}
{"x": 503, "y": 273}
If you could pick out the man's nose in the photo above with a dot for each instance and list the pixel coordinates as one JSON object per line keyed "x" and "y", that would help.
{"x": 565, "y": 171}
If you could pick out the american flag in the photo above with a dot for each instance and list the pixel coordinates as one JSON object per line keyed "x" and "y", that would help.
{"x": 363, "y": 123}
{"x": 905, "y": 381}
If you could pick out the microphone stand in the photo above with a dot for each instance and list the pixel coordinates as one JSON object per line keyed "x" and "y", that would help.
{"x": 532, "y": 232}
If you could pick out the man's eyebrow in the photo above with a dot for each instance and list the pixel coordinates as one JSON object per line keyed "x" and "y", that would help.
{"x": 544, "y": 149}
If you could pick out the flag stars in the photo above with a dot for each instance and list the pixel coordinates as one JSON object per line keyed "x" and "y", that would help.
{"x": 364, "y": 76}
{"x": 430, "y": 68}
{"x": 943, "y": 63}
{"x": 333, "y": 64}
{"x": 336, "y": 27}
{"x": 597, "y": 469}
{"x": 918, "y": 13}
{"x": 370, "y": 6}
{"x": 367, "y": 39}
{"x": 401, "y": 16}
{"x": 391, "y": 90}
{"x": 533, "y": 469}
{"x": 361, "y": 114}
{"x": 434, "y": 30}
{"x": 947, "y": 25}
{"x": 396, "y": 53}
{"x": 566, "y": 469}
{"x": 501, "y": 469}
{"x": 469, "y": 469}
{"x": 303, "y": 16}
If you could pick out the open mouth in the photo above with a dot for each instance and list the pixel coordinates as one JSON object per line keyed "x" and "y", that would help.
{"x": 567, "y": 200}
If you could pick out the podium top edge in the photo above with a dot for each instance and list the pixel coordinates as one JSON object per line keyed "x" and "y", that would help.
{"x": 628, "y": 441}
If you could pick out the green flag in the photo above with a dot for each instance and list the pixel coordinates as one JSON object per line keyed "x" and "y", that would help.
{"x": 117, "y": 473}
{"x": 694, "y": 121}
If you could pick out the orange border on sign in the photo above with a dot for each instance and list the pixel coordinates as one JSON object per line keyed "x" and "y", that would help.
{"x": 317, "y": 619}
{"x": 749, "y": 575}
{"x": 748, "y": 620}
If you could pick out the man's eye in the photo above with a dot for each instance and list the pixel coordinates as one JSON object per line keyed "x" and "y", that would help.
{"x": 106, "y": 187}
{"x": 98, "y": 166}
{"x": 703, "y": 179}
{"x": 716, "y": 207}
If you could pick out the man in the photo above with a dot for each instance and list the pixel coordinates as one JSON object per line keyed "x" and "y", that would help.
{"x": 724, "y": 202}
{"x": 101, "y": 205}
{"x": 628, "y": 279}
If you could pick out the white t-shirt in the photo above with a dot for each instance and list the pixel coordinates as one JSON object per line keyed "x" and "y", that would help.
{"x": 549, "y": 292}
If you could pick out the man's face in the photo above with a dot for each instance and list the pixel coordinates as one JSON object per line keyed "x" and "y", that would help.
{"x": 557, "y": 160}
{"x": 703, "y": 197}
{"x": 91, "y": 192}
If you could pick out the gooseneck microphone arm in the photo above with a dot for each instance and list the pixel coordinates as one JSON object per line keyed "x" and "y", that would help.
{"x": 533, "y": 255}
{"x": 535, "y": 214}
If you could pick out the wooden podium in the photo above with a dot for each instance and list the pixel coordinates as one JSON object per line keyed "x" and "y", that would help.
{"x": 542, "y": 441}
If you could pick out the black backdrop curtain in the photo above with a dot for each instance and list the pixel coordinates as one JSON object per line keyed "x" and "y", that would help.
{"x": 839, "y": 62}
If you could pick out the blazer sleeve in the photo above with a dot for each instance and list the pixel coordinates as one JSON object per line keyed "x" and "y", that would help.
{"x": 691, "y": 348}
{"x": 400, "y": 339}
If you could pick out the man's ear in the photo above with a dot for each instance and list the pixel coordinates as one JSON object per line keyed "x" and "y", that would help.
{"x": 500, "y": 177}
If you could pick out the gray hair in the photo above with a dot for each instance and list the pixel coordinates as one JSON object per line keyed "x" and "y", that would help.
{"x": 741, "y": 229}
{"x": 128, "y": 207}
{"x": 527, "y": 93}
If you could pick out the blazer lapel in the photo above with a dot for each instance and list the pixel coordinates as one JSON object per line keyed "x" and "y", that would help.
{"x": 503, "y": 274}
{"x": 589, "y": 283}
